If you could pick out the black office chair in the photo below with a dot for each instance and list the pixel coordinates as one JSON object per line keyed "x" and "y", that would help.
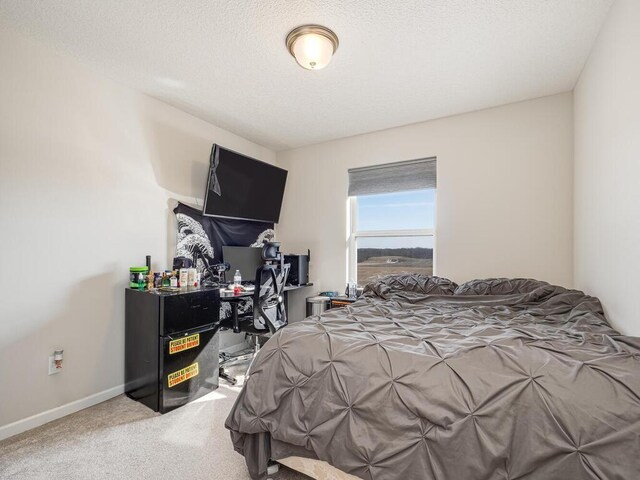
{"x": 269, "y": 311}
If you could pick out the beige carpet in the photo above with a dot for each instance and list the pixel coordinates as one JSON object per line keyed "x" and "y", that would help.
{"x": 122, "y": 439}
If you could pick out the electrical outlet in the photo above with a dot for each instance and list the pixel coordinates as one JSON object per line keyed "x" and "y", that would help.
{"x": 52, "y": 366}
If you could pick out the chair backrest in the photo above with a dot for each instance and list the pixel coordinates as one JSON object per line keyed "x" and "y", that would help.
{"x": 268, "y": 299}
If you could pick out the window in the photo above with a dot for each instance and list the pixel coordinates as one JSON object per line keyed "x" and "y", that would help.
{"x": 391, "y": 231}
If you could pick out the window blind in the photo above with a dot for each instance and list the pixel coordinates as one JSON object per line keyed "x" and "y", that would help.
{"x": 393, "y": 177}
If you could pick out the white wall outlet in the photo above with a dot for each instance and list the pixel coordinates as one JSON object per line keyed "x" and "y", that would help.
{"x": 52, "y": 366}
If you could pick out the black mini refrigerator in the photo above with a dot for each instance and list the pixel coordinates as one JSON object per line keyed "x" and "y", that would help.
{"x": 171, "y": 346}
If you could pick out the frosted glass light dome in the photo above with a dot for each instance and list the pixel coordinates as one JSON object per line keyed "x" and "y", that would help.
{"x": 312, "y": 46}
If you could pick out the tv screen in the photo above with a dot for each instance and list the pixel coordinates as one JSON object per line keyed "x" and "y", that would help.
{"x": 243, "y": 187}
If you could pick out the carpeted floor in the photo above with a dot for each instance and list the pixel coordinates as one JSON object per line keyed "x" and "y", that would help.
{"x": 122, "y": 439}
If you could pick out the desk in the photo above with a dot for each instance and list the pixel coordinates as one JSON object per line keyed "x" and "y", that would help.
{"x": 235, "y": 299}
{"x": 172, "y": 343}
{"x": 229, "y": 295}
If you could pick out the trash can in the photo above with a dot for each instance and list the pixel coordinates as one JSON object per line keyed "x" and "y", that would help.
{"x": 317, "y": 305}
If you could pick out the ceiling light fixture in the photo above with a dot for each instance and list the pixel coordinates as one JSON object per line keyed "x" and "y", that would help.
{"x": 312, "y": 46}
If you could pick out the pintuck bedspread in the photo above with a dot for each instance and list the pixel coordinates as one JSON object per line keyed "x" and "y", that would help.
{"x": 421, "y": 379}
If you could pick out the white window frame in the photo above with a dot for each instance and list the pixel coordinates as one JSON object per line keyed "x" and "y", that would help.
{"x": 354, "y": 234}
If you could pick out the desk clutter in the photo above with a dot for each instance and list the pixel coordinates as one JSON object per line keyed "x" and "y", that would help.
{"x": 143, "y": 278}
{"x": 173, "y": 320}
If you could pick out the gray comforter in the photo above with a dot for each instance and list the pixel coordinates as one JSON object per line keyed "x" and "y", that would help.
{"x": 421, "y": 379}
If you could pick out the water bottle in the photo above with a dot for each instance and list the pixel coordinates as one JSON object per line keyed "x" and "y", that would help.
{"x": 237, "y": 281}
{"x": 352, "y": 289}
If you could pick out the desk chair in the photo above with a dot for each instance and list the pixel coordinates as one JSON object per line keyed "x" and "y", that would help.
{"x": 269, "y": 313}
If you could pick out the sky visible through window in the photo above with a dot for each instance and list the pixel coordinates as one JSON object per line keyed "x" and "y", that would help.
{"x": 383, "y": 254}
{"x": 396, "y": 211}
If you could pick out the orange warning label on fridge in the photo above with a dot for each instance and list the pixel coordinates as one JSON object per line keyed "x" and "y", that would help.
{"x": 184, "y": 343}
{"x": 183, "y": 375}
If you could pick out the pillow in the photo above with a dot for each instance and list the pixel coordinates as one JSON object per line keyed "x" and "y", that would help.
{"x": 411, "y": 282}
{"x": 499, "y": 286}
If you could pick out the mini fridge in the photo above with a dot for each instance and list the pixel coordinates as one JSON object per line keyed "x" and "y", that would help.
{"x": 171, "y": 346}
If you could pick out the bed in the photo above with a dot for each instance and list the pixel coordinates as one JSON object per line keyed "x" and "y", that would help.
{"x": 425, "y": 379}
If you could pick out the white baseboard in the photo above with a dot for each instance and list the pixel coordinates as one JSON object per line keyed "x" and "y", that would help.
{"x": 34, "y": 421}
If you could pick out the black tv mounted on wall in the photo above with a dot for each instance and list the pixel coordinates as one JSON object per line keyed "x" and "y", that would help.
{"x": 242, "y": 187}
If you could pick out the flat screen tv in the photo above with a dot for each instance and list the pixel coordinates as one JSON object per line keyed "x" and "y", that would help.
{"x": 242, "y": 187}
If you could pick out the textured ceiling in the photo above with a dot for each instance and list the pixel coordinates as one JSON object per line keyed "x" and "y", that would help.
{"x": 398, "y": 62}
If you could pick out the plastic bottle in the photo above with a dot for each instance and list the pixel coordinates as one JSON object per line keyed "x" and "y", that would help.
{"x": 173, "y": 281}
{"x": 352, "y": 288}
{"x": 142, "y": 281}
{"x": 183, "y": 279}
{"x": 192, "y": 281}
{"x": 237, "y": 281}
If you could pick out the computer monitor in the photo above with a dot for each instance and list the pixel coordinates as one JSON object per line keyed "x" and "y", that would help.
{"x": 245, "y": 259}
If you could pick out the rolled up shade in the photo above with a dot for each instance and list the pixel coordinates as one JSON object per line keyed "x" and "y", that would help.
{"x": 393, "y": 177}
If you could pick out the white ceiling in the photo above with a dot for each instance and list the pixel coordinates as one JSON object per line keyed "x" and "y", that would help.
{"x": 398, "y": 62}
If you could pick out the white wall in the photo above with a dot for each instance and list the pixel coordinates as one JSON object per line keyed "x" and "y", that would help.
{"x": 607, "y": 169}
{"x": 88, "y": 173}
{"x": 504, "y": 201}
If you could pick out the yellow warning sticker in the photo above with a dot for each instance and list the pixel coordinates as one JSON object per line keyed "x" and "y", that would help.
{"x": 183, "y": 375}
{"x": 184, "y": 343}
